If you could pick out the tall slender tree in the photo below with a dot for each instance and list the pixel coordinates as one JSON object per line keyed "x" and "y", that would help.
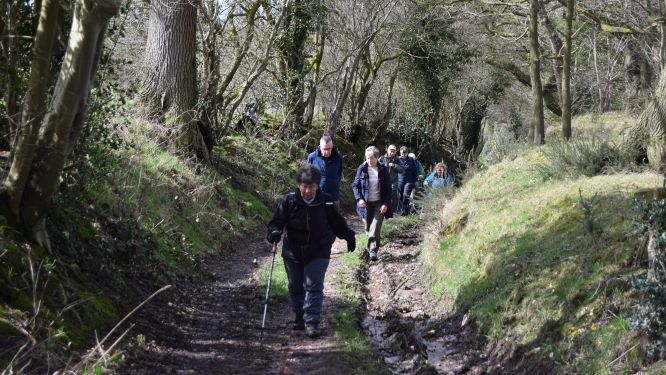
{"x": 566, "y": 72}
{"x": 537, "y": 128}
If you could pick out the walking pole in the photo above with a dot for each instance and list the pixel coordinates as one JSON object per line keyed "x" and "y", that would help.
{"x": 268, "y": 290}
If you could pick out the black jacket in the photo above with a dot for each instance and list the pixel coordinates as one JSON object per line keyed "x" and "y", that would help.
{"x": 308, "y": 228}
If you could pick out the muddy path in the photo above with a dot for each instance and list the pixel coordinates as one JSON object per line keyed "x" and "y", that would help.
{"x": 213, "y": 325}
{"x": 406, "y": 324}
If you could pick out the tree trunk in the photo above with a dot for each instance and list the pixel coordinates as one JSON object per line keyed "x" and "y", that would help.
{"x": 209, "y": 29}
{"x": 537, "y": 130}
{"x": 635, "y": 72}
{"x": 566, "y": 73}
{"x": 64, "y": 122}
{"x": 169, "y": 88}
{"x": 34, "y": 105}
{"x": 550, "y": 95}
{"x": 241, "y": 50}
{"x": 316, "y": 68}
{"x": 381, "y": 129}
{"x": 292, "y": 49}
{"x": 258, "y": 67}
{"x": 10, "y": 47}
{"x": 557, "y": 48}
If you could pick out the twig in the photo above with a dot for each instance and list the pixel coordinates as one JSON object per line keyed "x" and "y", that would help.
{"x": 118, "y": 340}
{"x": 395, "y": 290}
{"x": 622, "y": 355}
{"x": 98, "y": 346}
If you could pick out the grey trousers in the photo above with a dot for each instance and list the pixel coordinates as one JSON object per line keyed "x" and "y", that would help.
{"x": 373, "y": 224}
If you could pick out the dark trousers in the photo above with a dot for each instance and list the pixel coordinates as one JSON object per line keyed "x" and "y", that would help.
{"x": 306, "y": 287}
{"x": 405, "y": 190}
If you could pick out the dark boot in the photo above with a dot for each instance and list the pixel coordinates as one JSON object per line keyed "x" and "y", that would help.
{"x": 299, "y": 323}
{"x": 312, "y": 329}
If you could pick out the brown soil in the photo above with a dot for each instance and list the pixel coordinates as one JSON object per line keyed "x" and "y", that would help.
{"x": 407, "y": 325}
{"x": 213, "y": 325}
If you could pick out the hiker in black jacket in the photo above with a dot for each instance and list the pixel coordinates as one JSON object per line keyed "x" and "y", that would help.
{"x": 310, "y": 224}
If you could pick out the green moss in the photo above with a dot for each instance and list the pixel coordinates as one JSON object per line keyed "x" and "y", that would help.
{"x": 85, "y": 230}
{"x": 254, "y": 206}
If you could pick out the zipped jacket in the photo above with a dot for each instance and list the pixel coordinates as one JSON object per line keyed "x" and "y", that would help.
{"x": 331, "y": 172}
{"x": 393, "y": 171}
{"x": 410, "y": 174}
{"x": 361, "y": 187}
{"x": 309, "y": 229}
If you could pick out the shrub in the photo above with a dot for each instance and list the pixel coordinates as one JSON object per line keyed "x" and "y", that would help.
{"x": 584, "y": 157}
{"x": 649, "y": 315}
{"x": 501, "y": 142}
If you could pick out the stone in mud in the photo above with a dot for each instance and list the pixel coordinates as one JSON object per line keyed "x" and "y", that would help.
{"x": 392, "y": 360}
{"x": 418, "y": 314}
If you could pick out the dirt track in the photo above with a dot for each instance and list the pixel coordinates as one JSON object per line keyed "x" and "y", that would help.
{"x": 407, "y": 326}
{"x": 212, "y": 325}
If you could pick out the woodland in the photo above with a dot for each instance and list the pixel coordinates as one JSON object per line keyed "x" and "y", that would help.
{"x": 142, "y": 142}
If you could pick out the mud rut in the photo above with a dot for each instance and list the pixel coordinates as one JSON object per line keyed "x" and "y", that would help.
{"x": 212, "y": 325}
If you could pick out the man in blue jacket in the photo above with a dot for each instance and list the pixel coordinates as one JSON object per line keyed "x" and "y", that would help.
{"x": 329, "y": 162}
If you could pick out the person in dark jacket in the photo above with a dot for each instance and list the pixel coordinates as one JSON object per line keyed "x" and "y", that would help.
{"x": 372, "y": 191}
{"x": 390, "y": 160}
{"x": 406, "y": 180}
{"x": 310, "y": 224}
{"x": 329, "y": 162}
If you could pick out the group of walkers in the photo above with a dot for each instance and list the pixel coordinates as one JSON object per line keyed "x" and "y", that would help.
{"x": 310, "y": 216}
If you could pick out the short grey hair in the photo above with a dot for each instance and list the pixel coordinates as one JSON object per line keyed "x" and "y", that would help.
{"x": 326, "y": 139}
{"x": 372, "y": 150}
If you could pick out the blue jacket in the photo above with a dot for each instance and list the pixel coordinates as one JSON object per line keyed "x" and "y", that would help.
{"x": 361, "y": 185}
{"x": 331, "y": 172}
{"x": 435, "y": 181}
{"x": 411, "y": 173}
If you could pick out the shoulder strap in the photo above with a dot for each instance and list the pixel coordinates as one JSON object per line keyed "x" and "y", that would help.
{"x": 290, "y": 201}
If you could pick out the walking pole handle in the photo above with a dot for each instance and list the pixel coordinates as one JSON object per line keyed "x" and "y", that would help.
{"x": 268, "y": 289}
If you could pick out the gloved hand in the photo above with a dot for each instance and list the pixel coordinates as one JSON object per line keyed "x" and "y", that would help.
{"x": 351, "y": 243}
{"x": 274, "y": 236}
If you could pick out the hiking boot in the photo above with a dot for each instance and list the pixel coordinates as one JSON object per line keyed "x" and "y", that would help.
{"x": 312, "y": 329}
{"x": 373, "y": 255}
{"x": 298, "y": 324}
